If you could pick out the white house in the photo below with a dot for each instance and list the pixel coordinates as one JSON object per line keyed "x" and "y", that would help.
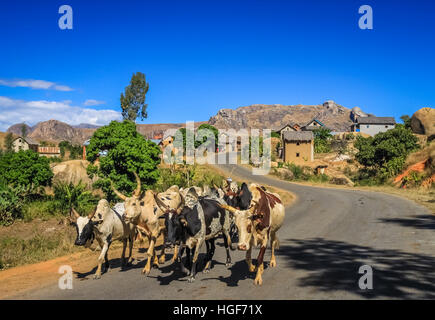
{"x": 373, "y": 125}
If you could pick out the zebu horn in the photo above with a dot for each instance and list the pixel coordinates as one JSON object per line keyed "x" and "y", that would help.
{"x": 91, "y": 215}
{"x": 181, "y": 205}
{"x": 227, "y": 207}
{"x": 160, "y": 203}
{"x": 75, "y": 215}
{"x": 138, "y": 187}
{"x": 119, "y": 194}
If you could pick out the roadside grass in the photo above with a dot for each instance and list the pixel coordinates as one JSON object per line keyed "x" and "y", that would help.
{"x": 43, "y": 241}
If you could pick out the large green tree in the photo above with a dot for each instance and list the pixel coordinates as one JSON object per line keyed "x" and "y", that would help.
{"x": 133, "y": 102}
{"x": 26, "y": 169}
{"x": 385, "y": 153}
{"x": 122, "y": 151}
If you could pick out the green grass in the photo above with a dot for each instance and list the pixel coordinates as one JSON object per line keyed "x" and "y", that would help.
{"x": 15, "y": 251}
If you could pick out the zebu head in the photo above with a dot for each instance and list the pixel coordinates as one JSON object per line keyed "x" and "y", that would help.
{"x": 84, "y": 227}
{"x": 132, "y": 204}
{"x": 243, "y": 220}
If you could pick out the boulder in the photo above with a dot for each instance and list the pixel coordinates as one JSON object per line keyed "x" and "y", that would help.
{"x": 342, "y": 180}
{"x": 423, "y": 122}
{"x": 285, "y": 173}
{"x": 72, "y": 171}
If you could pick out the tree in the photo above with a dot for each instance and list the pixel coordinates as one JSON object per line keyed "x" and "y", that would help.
{"x": 122, "y": 151}
{"x": 23, "y": 130}
{"x": 9, "y": 139}
{"x": 406, "y": 121}
{"x": 133, "y": 103}
{"x": 385, "y": 153}
{"x": 25, "y": 168}
{"x": 322, "y": 140}
{"x": 209, "y": 127}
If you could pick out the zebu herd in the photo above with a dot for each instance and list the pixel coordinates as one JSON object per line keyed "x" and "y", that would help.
{"x": 192, "y": 217}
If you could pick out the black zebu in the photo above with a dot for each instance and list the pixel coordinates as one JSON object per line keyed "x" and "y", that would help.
{"x": 202, "y": 220}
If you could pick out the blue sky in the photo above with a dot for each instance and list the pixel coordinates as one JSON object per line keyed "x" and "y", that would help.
{"x": 201, "y": 56}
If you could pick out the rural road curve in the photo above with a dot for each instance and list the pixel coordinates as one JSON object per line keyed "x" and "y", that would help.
{"x": 327, "y": 235}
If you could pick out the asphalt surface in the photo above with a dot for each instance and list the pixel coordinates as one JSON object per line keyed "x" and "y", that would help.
{"x": 328, "y": 234}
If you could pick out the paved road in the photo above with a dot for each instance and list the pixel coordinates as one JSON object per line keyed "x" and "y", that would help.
{"x": 327, "y": 235}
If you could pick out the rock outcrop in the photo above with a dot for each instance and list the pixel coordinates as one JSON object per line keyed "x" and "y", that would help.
{"x": 423, "y": 122}
{"x": 275, "y": 116}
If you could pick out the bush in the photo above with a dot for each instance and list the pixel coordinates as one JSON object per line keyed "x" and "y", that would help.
{"x": 383, "y": 155}
{"x": 69, "y": 195}
{"x": 11, "y": 203}
{"x": 322, "y": 140}
{"x": 26, "y": 169}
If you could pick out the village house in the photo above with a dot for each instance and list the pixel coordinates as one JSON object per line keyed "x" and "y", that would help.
{"x": 21, "y": 143}
{"x": 373, "y": 125}
{"x": 298, "y": 146}
{"x": 49, "y": 152}
{"x": 313, "y": 125}
{"x": 288, "y": 127}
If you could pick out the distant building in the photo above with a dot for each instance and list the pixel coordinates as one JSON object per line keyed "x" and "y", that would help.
{"x": 313, "y": 125}
{"x": 373, "y": 125}
{"x": 21, "y": 143}
{"x": 288, "y": 127}
{"x": 49, "y": 152}
{"x": 298, "y": 146}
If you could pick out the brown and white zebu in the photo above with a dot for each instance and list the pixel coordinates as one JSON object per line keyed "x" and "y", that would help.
{"x": 142, "y": 210}
{"x": 259, "y": 223}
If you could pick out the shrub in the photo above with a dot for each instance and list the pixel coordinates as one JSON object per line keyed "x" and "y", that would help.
{"x": 11, "y": 203}
{"x": 384, "y": 155}
{"x": 26, "y": 169}
{"x": 70, "y": 195}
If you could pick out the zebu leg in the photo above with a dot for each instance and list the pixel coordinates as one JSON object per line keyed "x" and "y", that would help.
{"x": 101, "y": 258}
{"x": 180, "y": 261}
{"x": 260, "y": 266}
{"x": 130, "y": 248}
{"x": 251, "y": 267}
{"x": 124, "y": 246}
{"x": 210, "y": 252}
{"x": 274, "y": 244}
{"x": 150, "y": 253}
{"x": 195, "y": 260}
{"x": 227, "y": 239}
{"x": 176, "y": 250}
{"x": 162, "y": 258}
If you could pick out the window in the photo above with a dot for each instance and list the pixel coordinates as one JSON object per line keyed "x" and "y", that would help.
{"x": 386, "y": 127}
{"x": 297, "y": 154}
{"x": 298, "y": 143}
{"x": 368, "y": 126}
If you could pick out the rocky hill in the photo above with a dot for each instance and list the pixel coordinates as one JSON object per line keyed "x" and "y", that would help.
{"x": 334, "y": 116}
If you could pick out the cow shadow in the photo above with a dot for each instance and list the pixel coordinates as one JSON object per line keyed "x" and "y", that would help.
{"x": 239, "y": 272}
{"x": 334, "y": 266}
{"x": 115, "y": 263}
{"x": 419, "y": 222}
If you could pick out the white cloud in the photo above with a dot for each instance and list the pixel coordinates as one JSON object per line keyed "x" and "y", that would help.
{"x": 31, "y": 112}
{"x": 92, "y": 102}
{"x": 35, "y": 84}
